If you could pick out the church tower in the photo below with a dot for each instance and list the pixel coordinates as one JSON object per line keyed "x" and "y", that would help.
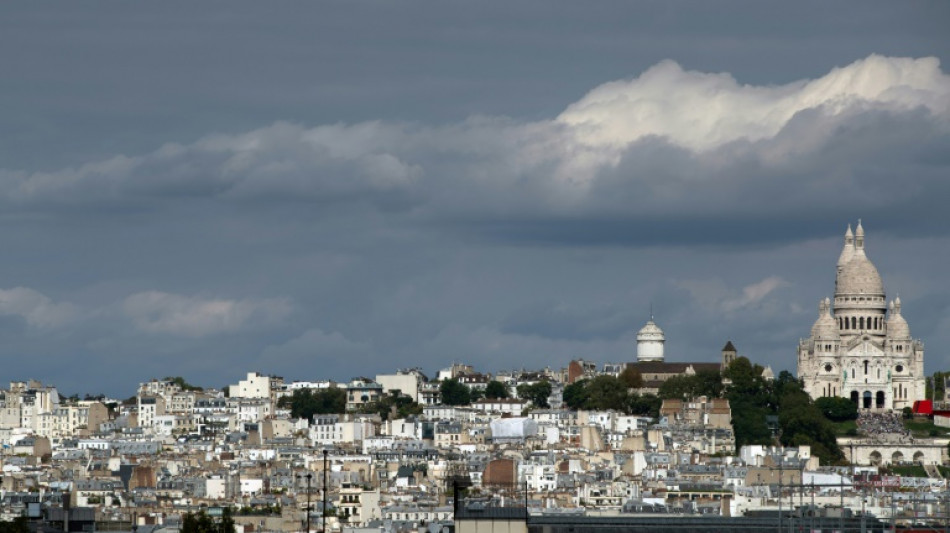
{"x": 728, "y": 354}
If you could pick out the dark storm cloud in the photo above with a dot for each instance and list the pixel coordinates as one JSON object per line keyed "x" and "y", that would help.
{"x": 318, "y": 191}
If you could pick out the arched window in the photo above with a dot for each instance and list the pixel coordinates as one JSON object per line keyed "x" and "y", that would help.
{"x": 854, "y": 323}
{"x": 861, "y": 323}
{"x": 865, "y": 367}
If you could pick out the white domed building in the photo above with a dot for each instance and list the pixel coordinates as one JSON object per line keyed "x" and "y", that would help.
{"x": 653, "y": 367}
{"x": 860, "y": 347}
{"x": 650, "y": 340}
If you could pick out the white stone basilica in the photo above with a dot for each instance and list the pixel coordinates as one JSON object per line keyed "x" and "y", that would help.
{"x": 860, "y": 346}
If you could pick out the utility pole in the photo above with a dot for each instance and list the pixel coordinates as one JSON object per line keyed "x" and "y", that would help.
{"x": 781, "y": 471}
{"x": 309, "y": 477}
{"x": 325, "y": 454}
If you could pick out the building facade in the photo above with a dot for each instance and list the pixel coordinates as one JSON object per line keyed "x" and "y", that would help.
{"x": 860, "y": 347}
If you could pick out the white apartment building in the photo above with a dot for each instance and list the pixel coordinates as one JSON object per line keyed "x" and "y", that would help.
{"x": 538, "y": 477}
{"x": 254, "y": 410}
{"x": 150, "y": 407}
{"x": 332, "y": 429}
{"x": 255, "y": 386}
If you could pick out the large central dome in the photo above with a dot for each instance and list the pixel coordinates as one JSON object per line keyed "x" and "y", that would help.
{"x": 857, "y": 276}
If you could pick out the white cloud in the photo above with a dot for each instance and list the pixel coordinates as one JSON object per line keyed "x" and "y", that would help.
{"x": 665, "y": 145}
{"x": 37, "y": 309}
{"x": 161, "y": 312}
{"x": 701, "y": 111}
{"x": 547, "y": 163}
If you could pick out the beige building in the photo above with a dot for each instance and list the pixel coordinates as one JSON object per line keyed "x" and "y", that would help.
{"x": 702, "y": 411}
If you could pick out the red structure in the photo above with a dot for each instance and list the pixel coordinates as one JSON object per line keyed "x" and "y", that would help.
{"x": 924, "y": 407}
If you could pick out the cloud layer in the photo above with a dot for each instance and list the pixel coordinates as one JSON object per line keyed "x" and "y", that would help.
{"x": 355, "y": 248}
{"x": 670, "y": 143}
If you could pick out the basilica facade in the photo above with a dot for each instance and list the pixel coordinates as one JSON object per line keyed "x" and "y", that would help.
{"x": 860, "y": 347}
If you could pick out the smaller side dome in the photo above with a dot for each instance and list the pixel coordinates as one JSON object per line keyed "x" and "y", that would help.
{"x": 897, "y": 327}
{"x": 825, "y": 328}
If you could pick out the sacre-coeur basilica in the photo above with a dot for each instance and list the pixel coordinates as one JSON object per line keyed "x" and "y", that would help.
{"x": 860, "y": 347}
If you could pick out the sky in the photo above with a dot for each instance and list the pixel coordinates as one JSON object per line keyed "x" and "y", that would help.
{"x": 324, "y": 190}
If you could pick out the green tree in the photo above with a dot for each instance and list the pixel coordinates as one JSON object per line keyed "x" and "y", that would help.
{"x": 679, "y": 387}
{"x": 646, "y": 405}
{"x": 802, "y": 423}
{"x": 751, "y": 400}
{"x": 226, "y": 525}
{"x": 454, "y": 393}
{"x": 536, "y": 393}
{"x": 749, "y": 423}
{"x": 394, "y": 405}
{"x": 496, "y": 390}
{"x": 606, "y": 392}
{"x": 575, "y": 395}
{"x": 184, "y": 385}
{"x": 202, "y": 523}
{"x": 837, "y": 409}
{"x": 304, "y": 403}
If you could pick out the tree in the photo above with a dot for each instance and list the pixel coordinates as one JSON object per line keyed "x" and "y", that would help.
{"x": 837, "y": 409}
{"x": 496, "y": 390}
{"x": 631, "y": 377}
{"x": 226, "y": 525}
{"x": 454, "y": 393}
{"x": 202, "y": 523}
{"x": 575, "y": 395}
{"x": 184, "y": 385}
{"x": 679, "y": 387}
{"x": 304, "y": 403}
{"x": 802, "y": 423}
{"x": 646, "y": 405}
{"x": 606, "y": 392}
{"x": 536, "y": 393}
{"x": 704, "y": 383}
{"x": 395, "y": 405}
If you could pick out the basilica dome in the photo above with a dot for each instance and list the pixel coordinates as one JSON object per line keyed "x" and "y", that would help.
{"x": 857, "y": 275}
